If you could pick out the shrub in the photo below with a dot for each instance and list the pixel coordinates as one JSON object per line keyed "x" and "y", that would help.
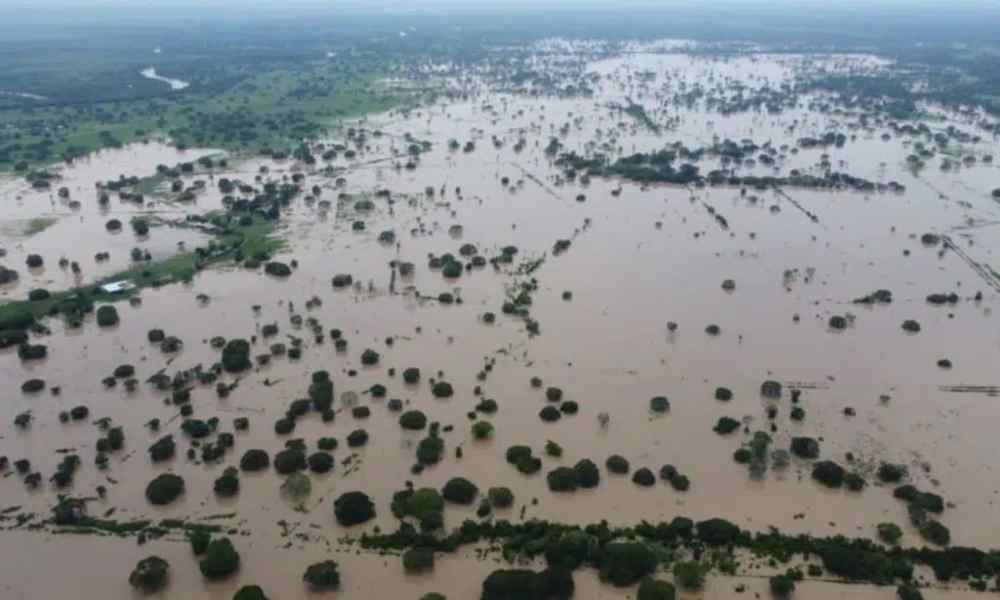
{"x": 164, "y": 489}
{"x": 587, "y": 475}
{"x": 369, "y": 357}
{"x": 442, "y": 389}
{"x": 689, "y": 574}
{"x": 221, "y": 559}
{"x": 322, "y": 575}
{"x": 290, "y": 460}
{"x": 150, "y": 574}
{"x": 889, "y": 533}
{"x": 617, "y": 463}
{"x": 482, "y": 430}
{"x": 782, "y": 585}
{"x": 501, "y": 497}
{"x": 250, "y": 592}
{"x": 643, "y": 477}
{"x": 829, "y": 473}
{"x": 162, "y": 449}
{"x": 516, "y": 453}
{"x": 659, "y": 404}
{"x": 550, "y": 414}
{"x": 936, "y": 533}
{"x": 890, "y": 473}
{"x": 255, "y": 460}
{"x": 320, "y": 462}
{"x": 429, "y": 450}
{"x": 553, "y": 394}
{"x": 277, "y": 269}
{"x": 411, "y": 375}
{"x": 522, "y": 584}
{"x": 199, "y": 539}
{"x": 625, "y": 563}
{"x": 459, "y": 490}
{"x": 353, "y": 508}
{"x": 717, "y": 532}
{"x": 419, "y": 559}
{"x": 228, "y": 484}
{"x": 654, "y": 589}
{"x": 805, "y": 447}
{"x": 107, "y": 316}
{"x": 562, "y": 479}
{"x": 236, "y": 356}
{"x": 358, "y": 437}
{"x": 723, "y": 394}
{"x": 726, "y": 425}
{"x": 413, "y": 420}
{"x": 908, "y": 591}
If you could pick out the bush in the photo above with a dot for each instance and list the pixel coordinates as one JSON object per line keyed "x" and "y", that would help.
{"x": 429, "y": 450}
{"x": 723, "y": 394}
{"x": 353, "y": 508}
{"x": 250, "y": 592}
{"x": 644, "y": 477}
{"x": 829, "y": 473}
{"x": 229, "y": 484}
{"x": 908, "y": 592}
{"x": 805, "y": 447}
{"x": 442, "y": 389}
{"x": 550, "y": 414}
{"x": 625, "y": 563}
{"x": 357, "y": 438}
{"x": 459, "y": 490}
{"x": 164, "y": 489}
{"x": 516, "y": 453}
{"x": 419, "y": 559}
{"x": 617, "y": 463}
{"x": 162, "y": 449}
{"x": 236, "y": 356}
{"x": 562, "y": 479}
{"x": 150, "y": 574}
{"x": 587, "y": 475}
{"x": 717, "y": 532}
{"x": 482, "y": 430}
{"x": 411, "y": 375}
{"x": 689, "y": 574}
{"x": 522, "y": 584}
{"x": 199, "y": 539}
{"x": 726, "y": 425}
{"x": 277, "y": 269}
{"x": 369, "y": 357}
{"x": 659, "y": 404}
{"x": 890, "y": 533}
{"x": 890, "y": 473}
{"x": 290, "y": 460}
{"x": 322, "y": 575}
{"x": 936, "y": 533}
{"x": 413, "y": 420}
{"x": 501, "y": 497}
{"x": 255, "y": 460}
{"x": 320, "y": 462}
{"x": 654, "y": 589}
{"x": 107, "y": 316}
{"x": 221, "y": 559}
{"x": 782, "y": 585}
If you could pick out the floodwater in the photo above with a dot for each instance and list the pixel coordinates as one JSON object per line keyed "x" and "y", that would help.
{"x": 175, "y": 84}
{"x": 641, "y": 256}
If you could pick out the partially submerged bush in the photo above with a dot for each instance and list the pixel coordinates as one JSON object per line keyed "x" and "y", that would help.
{"x": 501, "y": 497}
{"x": 829, "y": 473}
{"x": 805, "y": 447}
{"x": 890, "y": 533}
{"x": 522, "y": 584}
{"x": 164, "y": 489}
{"x": 459, "y": 490}
{"x": 322, "y": 576}
{"x": 726, "y": 425}
{"x": 107, "y": 316}
{"x": 625, "y": 563}
{"x": 418, "y": 560}
{"x": 221, "y": 559}
{"x": 413, "y": 420}
{"x": 290, "y": 460}
{"x": 442, "y": 389}
{"x": 659, "y": 404}
{"x": 353, "y": 508}
{"x": 320, "y": 462}
{"x": 250, "y": 592}
{"x": 561, "y": 479}
{"x": 236, "y": 356}
{"x": 690, "y": 575}
{"x": 643, "y": 477}
{"x": 655, "y": 589}
{"x": 617, "y": 463}
{"x": 255, "y": 460}
{"x": 150, "y": 574}
{"x": 587, "y": 475}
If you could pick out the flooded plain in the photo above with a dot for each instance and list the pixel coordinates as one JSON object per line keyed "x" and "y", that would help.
{"x": 619, "y": 315}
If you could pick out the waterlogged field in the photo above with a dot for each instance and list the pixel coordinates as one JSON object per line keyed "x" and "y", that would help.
{"x": 558, "y": 285}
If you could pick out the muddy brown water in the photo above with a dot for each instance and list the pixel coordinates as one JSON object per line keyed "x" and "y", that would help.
{"x": 637, "y": 260}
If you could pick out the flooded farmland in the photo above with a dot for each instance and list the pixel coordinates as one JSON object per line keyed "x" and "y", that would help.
{"x": 781, "y": 332}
